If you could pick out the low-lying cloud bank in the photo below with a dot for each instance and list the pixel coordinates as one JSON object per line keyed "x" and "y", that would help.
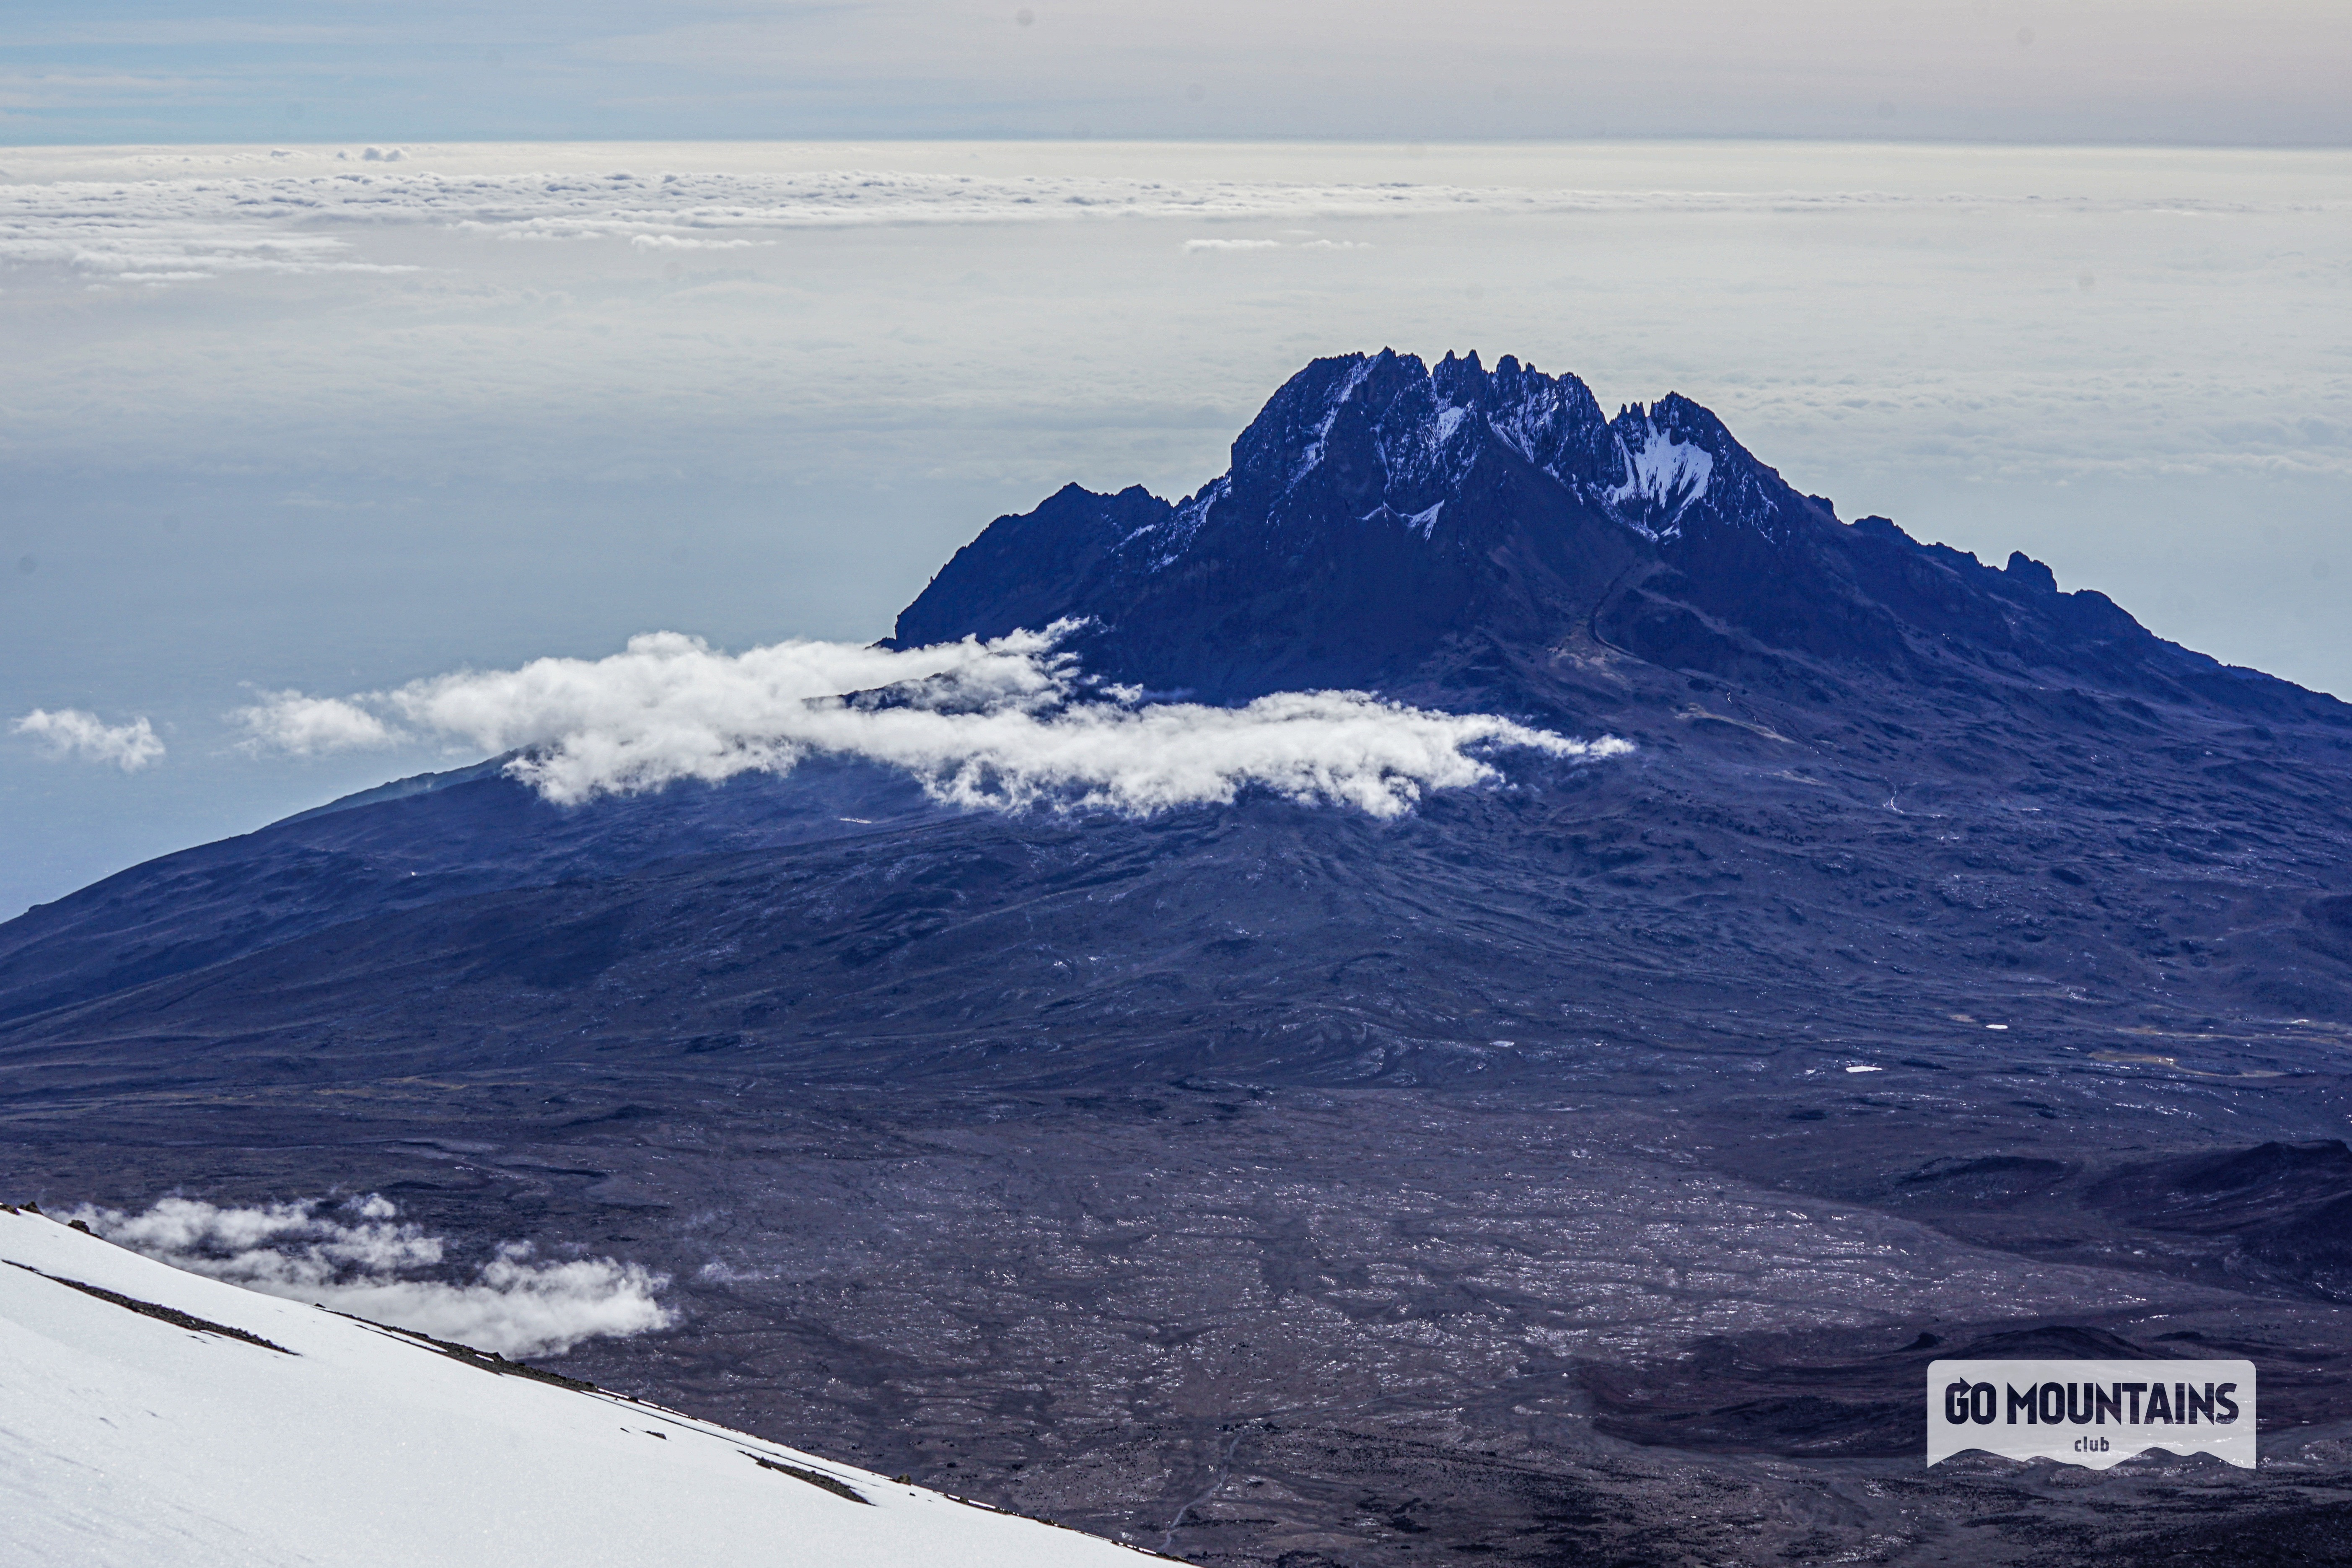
{"x": 362, "y": 1263}
{"x": 71, "y": 732}
{"x": 238, "y": 216}
{"x": 1010, "y": 724}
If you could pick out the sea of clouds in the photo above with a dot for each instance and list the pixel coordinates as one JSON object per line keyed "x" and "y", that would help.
{"x": 359, "y": 1256}
{"x": 161, "y": 230}
{"x": 1958, "y": 315}
{"x": 1010, "y": 724}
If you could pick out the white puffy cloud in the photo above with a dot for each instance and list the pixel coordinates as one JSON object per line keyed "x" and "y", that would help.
{"x": 1010, "y": 724}
{"x": 72, "y": 732}
{"x": 307, "y": 726}
{"x": 246, "y": 1244}
{"x": 364, "y": 1263}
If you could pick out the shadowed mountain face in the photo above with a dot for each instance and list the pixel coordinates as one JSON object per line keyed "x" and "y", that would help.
{"x": 1386, "y": 525}
{"x": 2007, "y": 943}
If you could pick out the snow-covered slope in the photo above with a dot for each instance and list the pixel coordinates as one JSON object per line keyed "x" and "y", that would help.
{"x": 128, "y": 1438}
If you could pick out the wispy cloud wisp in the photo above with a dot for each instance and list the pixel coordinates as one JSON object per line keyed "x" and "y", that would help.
{"x": 75, "y": 734}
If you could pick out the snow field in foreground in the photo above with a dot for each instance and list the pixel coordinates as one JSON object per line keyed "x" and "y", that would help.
{"x": 125, "y": 1439}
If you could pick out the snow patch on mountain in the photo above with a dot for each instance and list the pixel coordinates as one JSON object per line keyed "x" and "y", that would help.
{"x": 1663, "y": 477}
{"x": 1423, "y": 444}
{"x": 149, "y": 1415}
{"x": 1532, "y": 427}
{"x": 1312, "y": 458}
{"x": 1428, "y": 427}
{"x": 1168, "y": 537}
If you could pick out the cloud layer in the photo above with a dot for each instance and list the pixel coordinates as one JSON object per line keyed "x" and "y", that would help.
{"x": 1010, "y": 724}
{"x": 72, "y": 732}
{"x": 363, "y": 1263}
{"x": 240, "y": 218}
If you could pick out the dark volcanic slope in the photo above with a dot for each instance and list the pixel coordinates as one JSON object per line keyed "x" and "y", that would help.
{"x": 1579, "y": 1169}
{"x": 402, "y": 846}
{"x": 1490, "y": 934}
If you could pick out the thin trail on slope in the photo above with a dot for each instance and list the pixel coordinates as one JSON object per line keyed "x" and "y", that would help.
{"x": 1224, "y": 1470}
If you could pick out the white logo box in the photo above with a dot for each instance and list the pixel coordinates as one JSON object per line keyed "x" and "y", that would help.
{"x": 2095, "y": 1412}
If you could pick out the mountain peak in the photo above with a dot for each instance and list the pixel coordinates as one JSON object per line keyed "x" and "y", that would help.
{"x": 1380, "y": 511}
{"x": 1375, "y": 505}
{"x": 1401, "y": 437}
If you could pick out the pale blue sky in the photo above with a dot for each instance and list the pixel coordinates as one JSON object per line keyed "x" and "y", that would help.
{"x": 2160, "y": 71}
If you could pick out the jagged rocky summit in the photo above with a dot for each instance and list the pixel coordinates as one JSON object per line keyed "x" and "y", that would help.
{"x": 1386, "y": 523}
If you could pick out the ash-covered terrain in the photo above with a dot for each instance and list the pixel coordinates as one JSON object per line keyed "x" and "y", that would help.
{"x": 1583, "y": 1168}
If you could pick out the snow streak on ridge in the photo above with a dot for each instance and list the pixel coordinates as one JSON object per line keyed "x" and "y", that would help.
{"x": 1664, "y": 476}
